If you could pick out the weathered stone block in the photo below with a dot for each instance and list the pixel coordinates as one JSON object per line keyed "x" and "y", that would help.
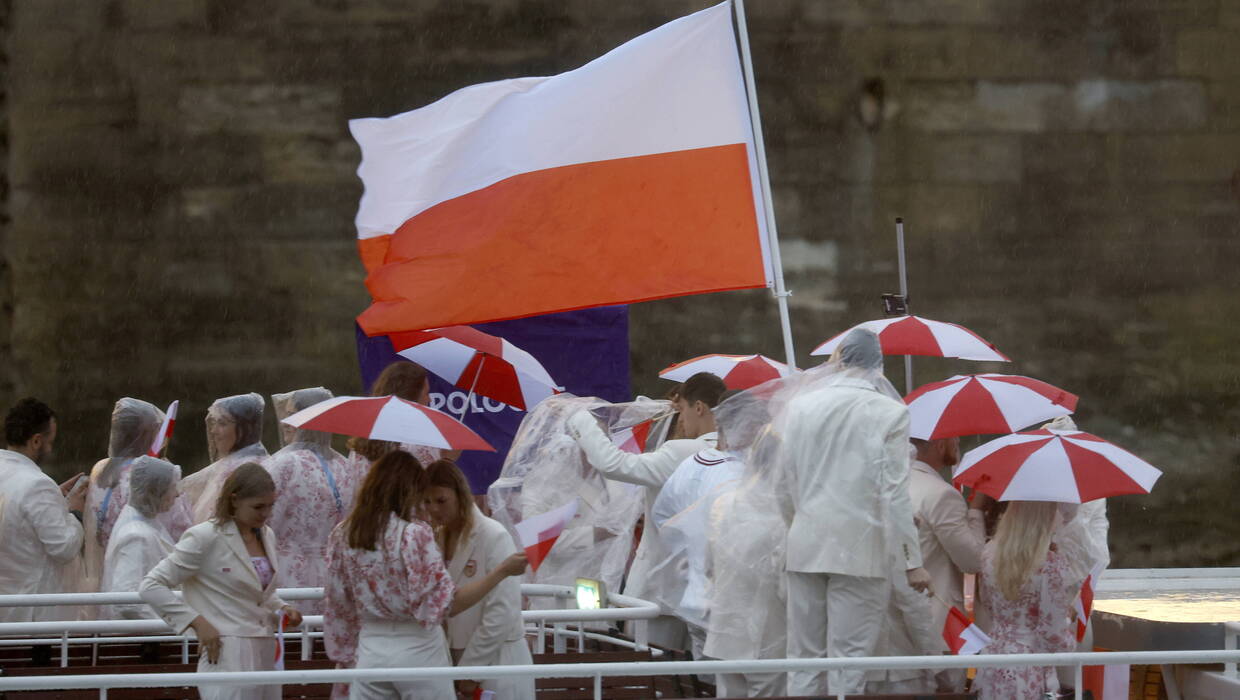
{"x": 310, "y": 160}
{"x": 164, "y": 15}
{"x": 1069, "y": 158}
{"x": 914, "y": 12}
{"x": 1180, "y": 157}
{"x": 981, "y": 159}
{"x": 263, "y": 108}
{"x": 1209, "y": 52}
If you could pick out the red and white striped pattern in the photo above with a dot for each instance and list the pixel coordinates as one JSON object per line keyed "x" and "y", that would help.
{"x": 736, "y": 371}
{"x": 979, "y": 404}
{"x": 633, "y": 439}
{"x": 165, "y": 430}
{"x": 469, "y": 359}
{"x": 388, "y": 418}
{"x": 538, "y": 533}
{"x": 913, "y": 335}
{"x": 1064, "y": 466}
{"x": 962, "y": 635}
{"x": 1084, "y": 603}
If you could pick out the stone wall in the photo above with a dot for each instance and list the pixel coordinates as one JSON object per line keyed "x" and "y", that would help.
{"x": 182, "y": 192}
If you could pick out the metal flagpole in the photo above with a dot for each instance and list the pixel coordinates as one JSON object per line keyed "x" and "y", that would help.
{"x": 751, "y": 89}
{"x": 908, "y": 359}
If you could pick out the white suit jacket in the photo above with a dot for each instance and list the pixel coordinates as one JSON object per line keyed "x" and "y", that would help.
{"x": 482, "y": 630}
{"x": 846, "y": 447}
{"x": 952, "y": 537}
{"x": 137, "y": 545}
{"x": 219, "y": 582}
{"x": 650, "y": 470}
{"x": 38, "y": 535}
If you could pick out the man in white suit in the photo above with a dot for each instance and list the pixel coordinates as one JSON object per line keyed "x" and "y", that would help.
{"x": 952, "y": 535}
{"x": 846, "y": 449}
{"x": 39, "y": 535}
{"x": 698, "y": 396}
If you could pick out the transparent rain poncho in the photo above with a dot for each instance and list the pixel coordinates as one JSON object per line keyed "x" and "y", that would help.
{"x": 546, "y": 469}
{"x": 245, "y": 413}
{"x": 140, "y": 540}
{"x": 310, "y": 480}
{"x": 134, "y": 426}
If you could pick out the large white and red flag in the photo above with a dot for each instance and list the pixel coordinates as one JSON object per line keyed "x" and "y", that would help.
{"x": 631, "y": 178}
{"x": 962, "y": 635}
{"x": 634, "y": 438}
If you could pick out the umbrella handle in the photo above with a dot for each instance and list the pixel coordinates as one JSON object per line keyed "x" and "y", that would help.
{"x": 470, "y": 397}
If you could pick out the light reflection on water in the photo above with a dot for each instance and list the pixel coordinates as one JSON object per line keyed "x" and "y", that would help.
{"x": 1173, "y": 606}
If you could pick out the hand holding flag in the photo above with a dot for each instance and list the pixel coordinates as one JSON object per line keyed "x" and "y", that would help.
{"x": 165, "y": 431}
{"x": 1084, "y": 604}
{"x": 633, "y": 439}
{"x": 538, "y": 533}
{"x": 961, "y": 635}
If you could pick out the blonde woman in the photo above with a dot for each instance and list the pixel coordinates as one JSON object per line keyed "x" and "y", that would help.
{"x": 226, "y": 568}
{"x": 1027, "y": 587}
{"x": 492, "y": 632}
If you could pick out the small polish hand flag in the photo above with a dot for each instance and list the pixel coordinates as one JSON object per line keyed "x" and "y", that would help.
{"x": 1084, "y": 604}
{"x": 633, "y": 438}
{"x": 539, "y": 533}
{"x": 165, "y": 430}
{"x": 961, "y": 635}
{"x": 480, "y": 694}
{"x": 279, "y": 665}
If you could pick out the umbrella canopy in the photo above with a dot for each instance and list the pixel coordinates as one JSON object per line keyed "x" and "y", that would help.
{"x": 388, "y": 418}
{"x": 478, "y": 362}
{"x": 914, "y": 335}
{"x": 1064, "y": 466}
{"x": 736, "y": 371}
{"x": 978, "y": 404}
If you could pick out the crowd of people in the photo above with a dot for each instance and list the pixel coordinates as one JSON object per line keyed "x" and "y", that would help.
{"x": 794, "y": 519}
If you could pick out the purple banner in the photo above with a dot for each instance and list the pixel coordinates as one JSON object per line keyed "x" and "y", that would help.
{"x": 586, "y": 351}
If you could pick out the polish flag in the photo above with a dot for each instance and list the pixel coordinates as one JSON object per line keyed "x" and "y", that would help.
{"x": 1107, "y": 682}
{"x": 633, "y": 177}
{"x": 279, "y": 663}
{"x": 961, "y": 635}
{"x": 633, "y": 439}
{"x": 538, "y": 533}
{"x": 1084, "y": 604}
{"x": 165, "y": 430}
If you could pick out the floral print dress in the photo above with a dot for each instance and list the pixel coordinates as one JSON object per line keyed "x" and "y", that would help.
{"x": 402, "y": 579}
{"x": 1036, "y": 622}
{"x": 309, "y": 503}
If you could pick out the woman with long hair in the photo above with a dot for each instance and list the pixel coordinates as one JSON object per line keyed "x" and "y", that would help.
{"x": 227, "y": 570}
{"x": 234, "y": 437}
{"x": 1027, "y": 587}
{"x": 491, "y": 633}
{"x": 388, "y": 592}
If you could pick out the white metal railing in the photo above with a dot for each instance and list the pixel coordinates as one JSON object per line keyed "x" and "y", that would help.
{"x": 1231, "y": 634}
{"x": 558, "y": 624}
{"x": 597, "y": 671}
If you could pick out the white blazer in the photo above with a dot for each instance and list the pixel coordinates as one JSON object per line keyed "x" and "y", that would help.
{"x": 213, "y": 569}
{"x": 847, "y": 448}
{"x": 482, "y": 629}
{"x": 650, "y": 470}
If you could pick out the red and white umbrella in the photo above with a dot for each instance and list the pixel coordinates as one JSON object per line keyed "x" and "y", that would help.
{"x": 478, "y": 362}
{"x": 388, "y": 418}
{"x": 1064, "y": 466}
{"x": 914, "y": 335}
{"x": 736, "y": 371}
{"x": 978, "y": 404}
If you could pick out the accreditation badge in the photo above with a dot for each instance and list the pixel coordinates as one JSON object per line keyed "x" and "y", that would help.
{"x": 471, "y": 568}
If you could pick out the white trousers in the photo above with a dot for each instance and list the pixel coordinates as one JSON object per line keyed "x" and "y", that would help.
{"x": 391, "y": 644}
{"x": 749, "y": 685}
{"x": 832, "y": 615}
{"x": 241, "y": 654}
{"x": 512, "y": 653}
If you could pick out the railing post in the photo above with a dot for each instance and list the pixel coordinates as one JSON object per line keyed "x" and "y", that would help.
{"x": 542, "y": 637}
{"x": 1231, "y": 632}
{"x": 307, "y": 644}
{"x": 64, "y": 650}
{"x": 598, "y": 686}
{"x": 185, "y": 649}
{"x": 103, "y": 694}
{"x": 1078, "y": 681}
{"x": 559, "y": 643}
{"x": 581, "y": 637}
{"x": 641, "y": 635}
